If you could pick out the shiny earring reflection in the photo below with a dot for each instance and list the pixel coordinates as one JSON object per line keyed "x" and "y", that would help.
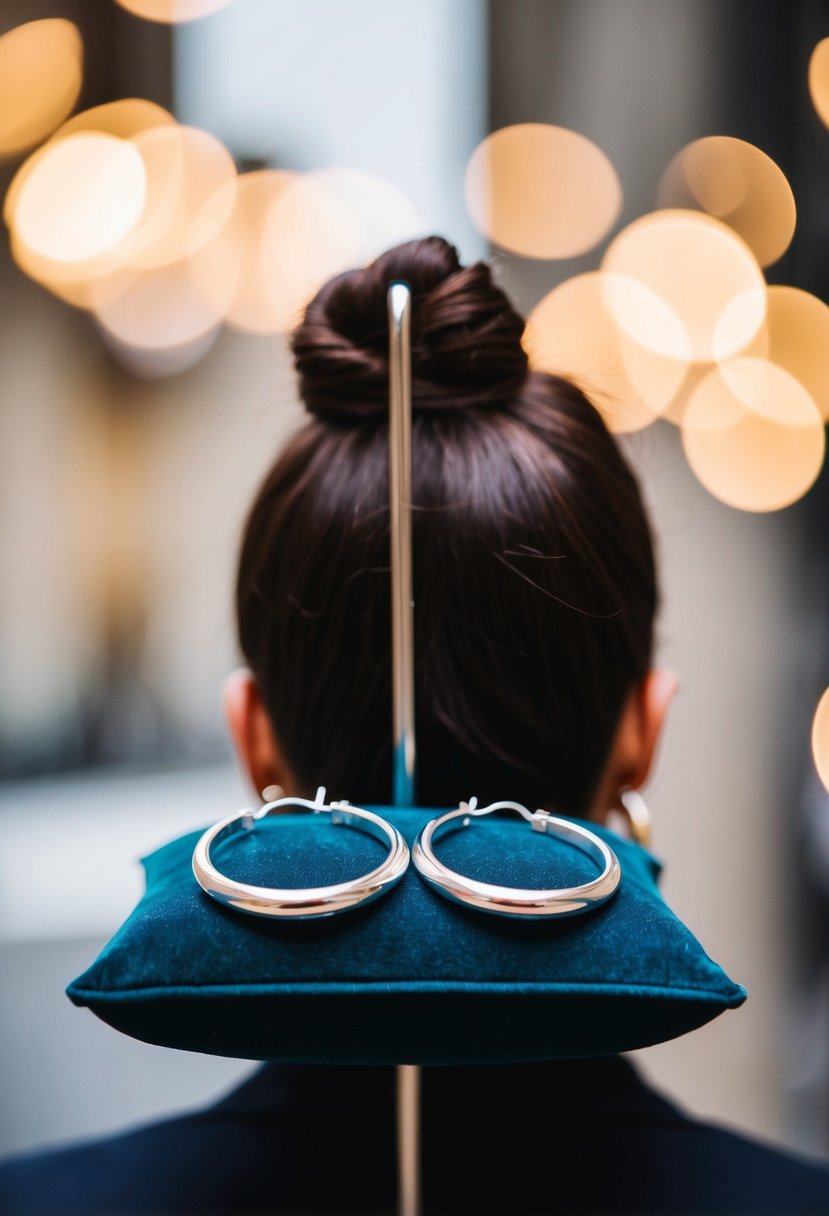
{"x": 517, "y": 901}
{"x": 301, "y": 902}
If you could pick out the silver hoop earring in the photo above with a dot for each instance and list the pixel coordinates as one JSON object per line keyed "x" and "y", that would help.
{"x": 514, "y": 901}
{"x": 302, "y": 902}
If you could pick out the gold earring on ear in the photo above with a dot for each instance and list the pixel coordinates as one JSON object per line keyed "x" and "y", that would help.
{"x": 272, "y": 793}
{"x": 631, "y": 804}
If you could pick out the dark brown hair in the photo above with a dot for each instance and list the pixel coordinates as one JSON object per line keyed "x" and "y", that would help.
{"x": 534, "y": 578}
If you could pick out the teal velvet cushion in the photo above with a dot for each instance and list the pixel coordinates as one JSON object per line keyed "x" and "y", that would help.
{"x": 411, "y": 977}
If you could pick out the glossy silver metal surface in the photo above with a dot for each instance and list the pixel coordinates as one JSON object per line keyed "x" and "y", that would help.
{"x": 515, "y": 901}
{"x": 400, "y": 536}
{"x": 399, "y": 305}
{"x": 301, "y": 902}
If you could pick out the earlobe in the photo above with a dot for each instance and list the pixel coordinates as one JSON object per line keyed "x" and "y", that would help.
{"x": 635, "y": 741}
{"x": 253, "y": 738}
{"x": 236, "y": 695}
{"x": 655, "y": 693}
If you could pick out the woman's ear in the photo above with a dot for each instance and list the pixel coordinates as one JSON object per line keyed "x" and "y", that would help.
{"x": 647, "y": 712}
{"x": 253, "y": 737}
{"x": 634, "y": 746}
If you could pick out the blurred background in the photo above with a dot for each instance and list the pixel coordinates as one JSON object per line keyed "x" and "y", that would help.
{"x": 153, "y": 256}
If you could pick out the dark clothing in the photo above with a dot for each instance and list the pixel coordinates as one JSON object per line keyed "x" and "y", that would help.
{"x": 586, "y": 1136}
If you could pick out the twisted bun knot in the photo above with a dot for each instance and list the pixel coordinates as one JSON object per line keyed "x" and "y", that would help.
{"x": 466, "y": 337}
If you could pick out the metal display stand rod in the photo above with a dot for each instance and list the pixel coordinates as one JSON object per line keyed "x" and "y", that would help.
{"x": 402, "y": 640}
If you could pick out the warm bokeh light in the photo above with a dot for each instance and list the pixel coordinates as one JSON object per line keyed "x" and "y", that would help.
{"x": 77, "y": 197}
{"x": 372, "y": 214}
{"x": 161, "y": 310}
{"x": 694, "y": 375}
{"x": 542, "y": 191}
{"x": 820, "y": 738}
{"x": 740, "y": 185}
{"x": 797, "y": 329}
{"x": 637, "y": 359}
{"x": 572, "y": 332}
{"x": 172, "y": 11}
{"x": 229, "y": 272}
{"x": 289, "y": 232}
{"x": 41, "y": 71}
{"x": 191, "y": 183}
{"x": 188, "y": 195}
{"x": 753, "y": 435}
{"x": 124, "y": 118}
{"x": 705, "y": 274}
{"x": 819, "y": 79}
{"x": 84, "y": 284}
{"x": 148, "y": 363}
{"x": 328, "y": 221}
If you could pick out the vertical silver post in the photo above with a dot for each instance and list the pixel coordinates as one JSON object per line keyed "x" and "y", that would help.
{"x": 400, "y": 500}
{"x": 402, "y": 640}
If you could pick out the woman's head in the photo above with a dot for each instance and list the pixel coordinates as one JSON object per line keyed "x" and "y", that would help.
{"x": 534, "y": 579}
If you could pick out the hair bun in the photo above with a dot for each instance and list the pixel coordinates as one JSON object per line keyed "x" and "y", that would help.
{"x": 466, "y": 336}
